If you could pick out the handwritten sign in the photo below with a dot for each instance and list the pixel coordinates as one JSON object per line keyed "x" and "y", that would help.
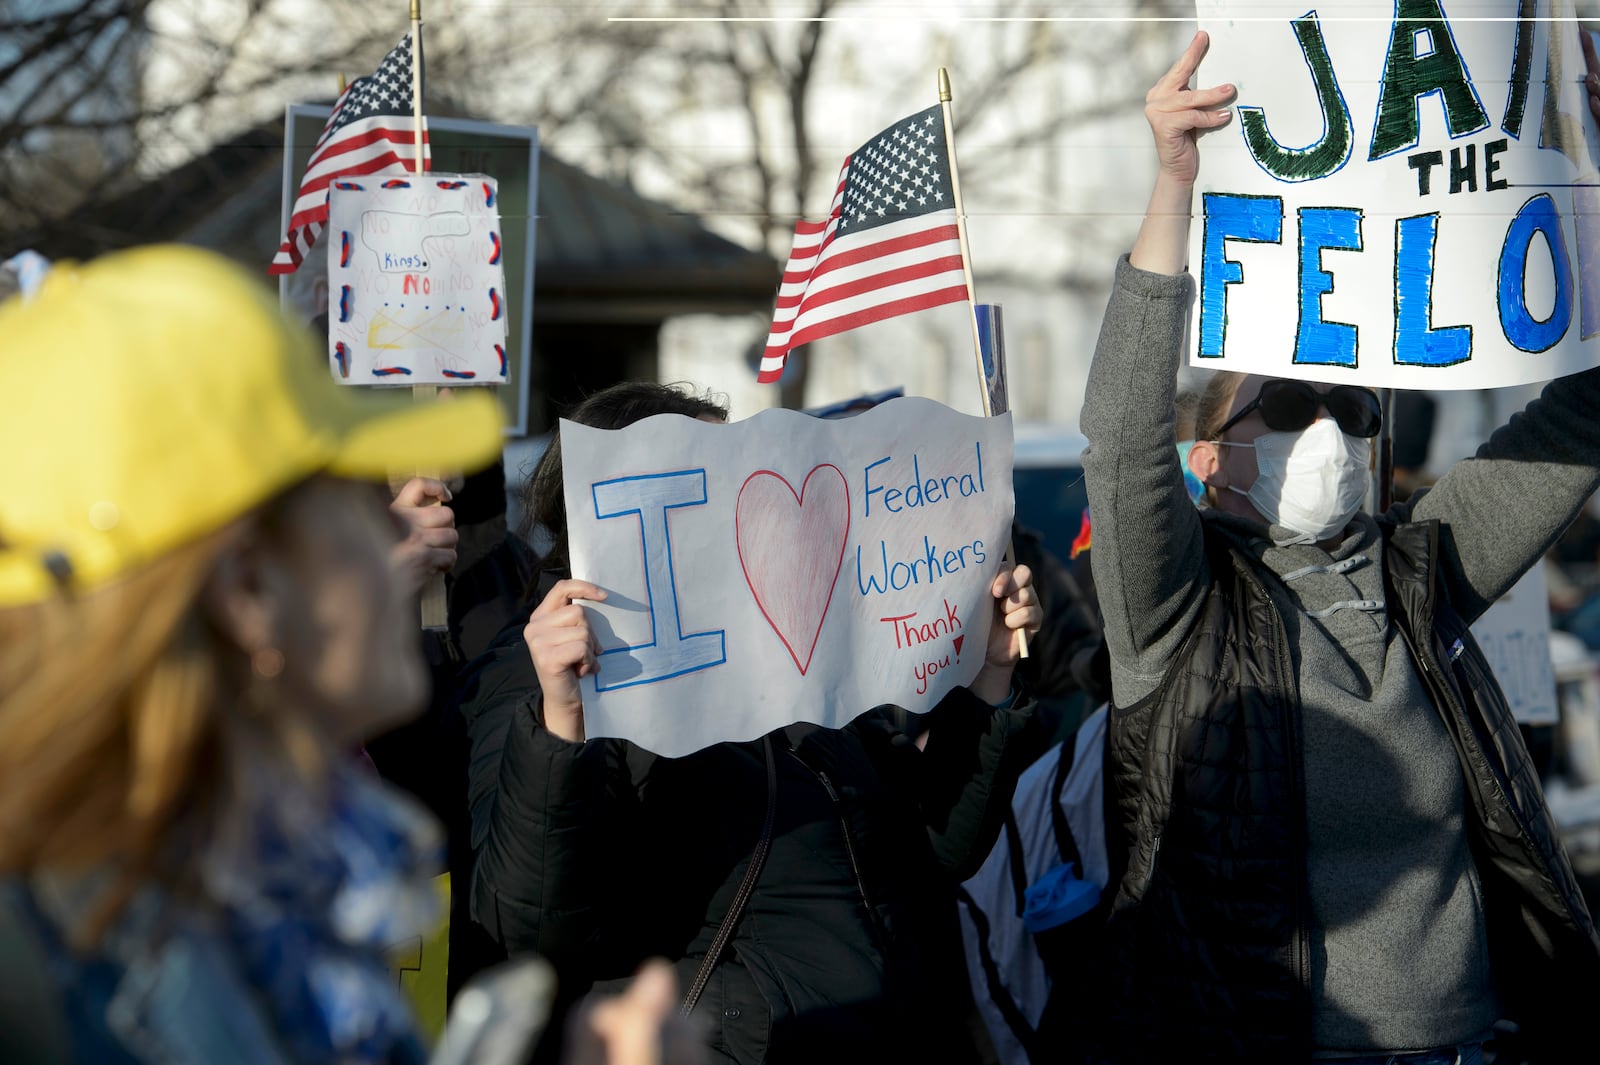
{"x": 1515, "y": 637}
{"x": 1406, "y": 197}
{"x": 784, "y": 568}
{"x": 416, "y": 285}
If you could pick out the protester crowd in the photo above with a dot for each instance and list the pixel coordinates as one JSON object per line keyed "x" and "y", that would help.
{"x": 1302, "y": 824}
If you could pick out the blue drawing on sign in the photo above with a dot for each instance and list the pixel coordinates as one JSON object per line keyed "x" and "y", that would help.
{"x": 670, "y": 652}
{"x": 1538, "y": 217}
{"x": 1417, "y": 342}
{"x": 1319, "y": 340}
{"x": 1230, "y": 216}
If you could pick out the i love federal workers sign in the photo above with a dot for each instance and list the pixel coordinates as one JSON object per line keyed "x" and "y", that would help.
{"x": 784, "y": 568}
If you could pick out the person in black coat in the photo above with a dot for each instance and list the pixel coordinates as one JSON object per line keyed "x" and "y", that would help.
{"x": 599, "y": 855}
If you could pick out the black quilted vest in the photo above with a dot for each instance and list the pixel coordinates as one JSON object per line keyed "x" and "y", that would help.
{"x": 1208, "y": 931}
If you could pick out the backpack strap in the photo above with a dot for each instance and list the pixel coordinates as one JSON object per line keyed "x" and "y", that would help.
{"x": 747, "y": 887}
{"x": 1016, "y": 861}
{"x": 998, "y": 994}
{"x": 1066, "y": 846}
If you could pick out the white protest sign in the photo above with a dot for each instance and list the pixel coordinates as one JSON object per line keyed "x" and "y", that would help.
{"x": 784, "y": 568}
{"x": 1406, "y": 196}
{"x": 416, "y": 286}
{"x": 1515, "y": 637}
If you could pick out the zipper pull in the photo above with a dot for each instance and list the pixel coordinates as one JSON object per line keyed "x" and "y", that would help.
{"x": 1150, "y": 870}
{"x": 827, "y": 785}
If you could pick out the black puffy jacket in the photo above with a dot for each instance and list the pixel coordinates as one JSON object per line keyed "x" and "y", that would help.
{"x": 600, "y": 855}
{"x": 1209, "y": 926}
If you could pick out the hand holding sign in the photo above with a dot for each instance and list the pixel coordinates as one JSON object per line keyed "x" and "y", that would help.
{"x": 429, "y": 548}
{"x": 563, "y": 649}
{"x": 1016, "y": 609}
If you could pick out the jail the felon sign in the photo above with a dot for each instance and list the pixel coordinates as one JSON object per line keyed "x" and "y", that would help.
{"x": 1408, "y": 195}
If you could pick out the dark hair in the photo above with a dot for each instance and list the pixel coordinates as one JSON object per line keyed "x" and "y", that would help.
{"x": 544, "y": 498}
{"x": 1411, "y": 419}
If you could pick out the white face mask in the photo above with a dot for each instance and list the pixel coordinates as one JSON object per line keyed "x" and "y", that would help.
{"x": 1311, "y": 482}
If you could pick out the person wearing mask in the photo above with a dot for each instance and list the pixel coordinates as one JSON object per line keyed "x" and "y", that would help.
{"x": 597, "y": 854}
{"x": 199, "y": 623}
{"x": 1332, "y": 841}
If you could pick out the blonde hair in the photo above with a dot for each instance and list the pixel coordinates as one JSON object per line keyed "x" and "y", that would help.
{"x": 1215, "y": 399}
{"x": 1211, "y": 410}
{"x": 113, "y": 714}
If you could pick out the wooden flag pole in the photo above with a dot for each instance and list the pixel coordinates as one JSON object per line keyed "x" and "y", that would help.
{"x": 1380, "y": 493}
{"x": 435, "y": 614}
{"x": 945, "y": 96}
{"x": 416, "y": 78}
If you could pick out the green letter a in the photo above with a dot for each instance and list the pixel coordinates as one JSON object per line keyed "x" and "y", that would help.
{"x": 1408, "y": 76}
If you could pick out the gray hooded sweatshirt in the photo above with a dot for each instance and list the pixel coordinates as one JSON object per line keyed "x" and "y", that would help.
{"x": 1399, "y": 957}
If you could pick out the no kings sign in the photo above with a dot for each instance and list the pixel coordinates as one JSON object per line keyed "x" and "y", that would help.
{"x": 1408, "y": 196}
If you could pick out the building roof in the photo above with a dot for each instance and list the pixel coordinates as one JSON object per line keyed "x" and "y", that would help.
{"x": 603, "y": 253}
{"x": 596, "y": 237}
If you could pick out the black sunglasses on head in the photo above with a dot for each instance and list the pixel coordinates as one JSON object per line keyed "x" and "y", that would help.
{"x": 1289, "y": 406}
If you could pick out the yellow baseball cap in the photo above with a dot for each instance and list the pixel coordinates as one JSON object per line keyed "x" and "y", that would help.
{"x": 154, "y": 395}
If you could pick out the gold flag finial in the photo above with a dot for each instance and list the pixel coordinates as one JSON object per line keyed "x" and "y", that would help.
{"x": 416, "y": 10}
{"x": 944, "y": 86}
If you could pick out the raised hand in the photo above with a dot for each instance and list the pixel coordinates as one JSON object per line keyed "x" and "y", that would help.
{"x": 1178, "y": 114}
{"x": 563, "y": 650}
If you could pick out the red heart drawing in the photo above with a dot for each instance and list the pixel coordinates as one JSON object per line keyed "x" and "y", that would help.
{"x": 791, "y": 546}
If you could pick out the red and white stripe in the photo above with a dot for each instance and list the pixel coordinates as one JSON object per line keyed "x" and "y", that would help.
{"x": 378, "y": 145}
{"x": 832, "y": 284}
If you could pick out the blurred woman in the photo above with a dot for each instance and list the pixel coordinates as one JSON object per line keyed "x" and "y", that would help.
{"x": 198, "y": 623}
{"x": 843, "y": 947}
{"x": 1334, "y": 842}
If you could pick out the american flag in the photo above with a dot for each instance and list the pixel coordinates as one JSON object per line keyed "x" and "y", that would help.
{"x": 889, "y": 247}
{"x": 370, "y": 132}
